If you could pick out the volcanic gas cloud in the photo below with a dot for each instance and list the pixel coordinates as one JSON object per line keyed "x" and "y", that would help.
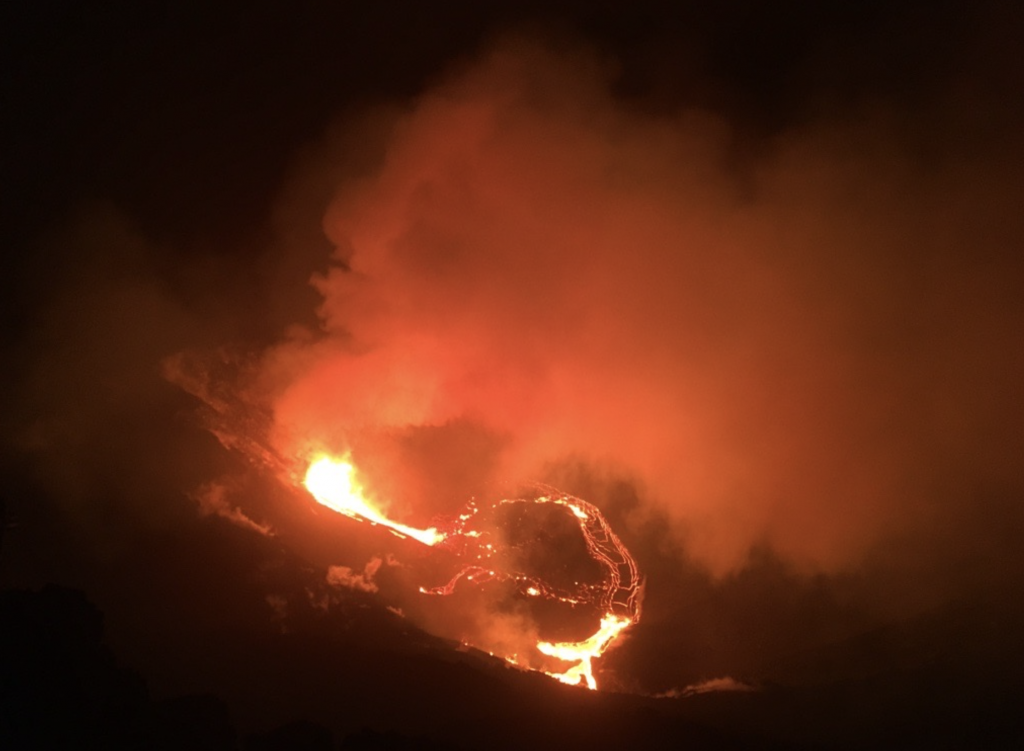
{"x": 528, "y": 271}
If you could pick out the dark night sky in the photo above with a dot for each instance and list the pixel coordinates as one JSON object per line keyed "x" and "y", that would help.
{"x": 795, "y": 395}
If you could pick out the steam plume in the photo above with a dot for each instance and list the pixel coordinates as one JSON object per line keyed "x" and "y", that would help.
{"x": 806, "y": 350}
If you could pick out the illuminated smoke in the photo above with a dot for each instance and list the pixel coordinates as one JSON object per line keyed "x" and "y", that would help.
{"x": 213, "y": 500}
{"x": 754, "y": 346}
{"x": 359, "y": 581}
{"x": 803, "y": 340}
{"x": 794, "y": 351}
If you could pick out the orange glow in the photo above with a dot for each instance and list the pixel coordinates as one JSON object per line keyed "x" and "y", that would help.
{"x": 333, "y": 483}
{"x": 583, "y": 652}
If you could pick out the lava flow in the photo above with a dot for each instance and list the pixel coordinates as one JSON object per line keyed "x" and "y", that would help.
{"x": 333, "y": 483}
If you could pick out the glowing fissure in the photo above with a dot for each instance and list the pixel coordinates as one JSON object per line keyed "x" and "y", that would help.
{"x": 583, "y": 652}
{"x": 333, "y": 483}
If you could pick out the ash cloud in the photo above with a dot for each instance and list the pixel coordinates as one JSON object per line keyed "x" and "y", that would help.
{"x": 810, "y": 348}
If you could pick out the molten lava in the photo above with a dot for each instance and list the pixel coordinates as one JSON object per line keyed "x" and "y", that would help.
{"x": 333, "y": 483}
{"x": 583, "y": 652}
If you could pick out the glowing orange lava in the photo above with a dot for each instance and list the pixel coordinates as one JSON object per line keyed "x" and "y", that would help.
{"x": 333, "y": 483}
{"x": 583, "y": 652}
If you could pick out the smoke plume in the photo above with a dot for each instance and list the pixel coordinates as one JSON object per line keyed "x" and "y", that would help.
{"x": 808, "y": 348}
{"x": 795, "y": 345}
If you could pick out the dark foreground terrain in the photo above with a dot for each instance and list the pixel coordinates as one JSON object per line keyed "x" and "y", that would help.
{"x": 368, "y": 680}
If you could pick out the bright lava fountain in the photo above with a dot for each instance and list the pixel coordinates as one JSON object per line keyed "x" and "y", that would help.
{"x": 333, "y": 483}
